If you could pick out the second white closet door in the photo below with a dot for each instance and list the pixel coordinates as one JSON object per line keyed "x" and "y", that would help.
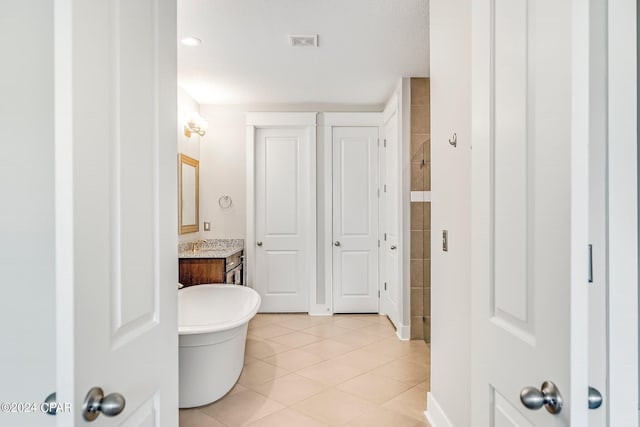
{"x": 355, "y": 219}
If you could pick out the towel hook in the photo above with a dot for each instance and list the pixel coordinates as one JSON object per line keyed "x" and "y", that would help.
{"x": 454, "y": 140}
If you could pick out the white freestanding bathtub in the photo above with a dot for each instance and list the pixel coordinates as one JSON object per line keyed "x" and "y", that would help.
{"x": 212, "y": 323}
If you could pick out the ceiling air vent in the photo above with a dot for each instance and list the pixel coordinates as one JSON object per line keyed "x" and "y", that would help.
{"x": 304, "y": 41}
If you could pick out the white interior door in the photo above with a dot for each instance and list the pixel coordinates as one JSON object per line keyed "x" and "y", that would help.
{"x": 282, "y": 229}
{"x": 116, "y": 211}
{"x": 529, "y": 213}
{"x": 355, "y": 219}
{"x": 389, "y": 217}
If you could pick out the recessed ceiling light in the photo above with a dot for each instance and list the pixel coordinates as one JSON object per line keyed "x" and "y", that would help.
{"x": 191, "y": 41}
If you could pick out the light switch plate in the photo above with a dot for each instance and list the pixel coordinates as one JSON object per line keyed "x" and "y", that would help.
{"x": 207, "y": 226}
{"x": 445, "y": 240}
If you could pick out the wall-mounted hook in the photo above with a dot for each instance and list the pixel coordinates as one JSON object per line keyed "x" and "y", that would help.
{"x": 454, "y": 140}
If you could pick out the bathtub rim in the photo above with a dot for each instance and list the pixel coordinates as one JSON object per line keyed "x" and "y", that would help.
{"x": 219, "y": 327}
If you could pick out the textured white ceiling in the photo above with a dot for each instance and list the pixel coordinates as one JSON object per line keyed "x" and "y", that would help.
{"x": 245, "y": 58}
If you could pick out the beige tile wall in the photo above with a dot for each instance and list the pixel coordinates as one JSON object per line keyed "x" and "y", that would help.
{"x": 420, "y": 211}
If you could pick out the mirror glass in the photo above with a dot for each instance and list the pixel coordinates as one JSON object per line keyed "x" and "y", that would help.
{"x": 189, "y": 172}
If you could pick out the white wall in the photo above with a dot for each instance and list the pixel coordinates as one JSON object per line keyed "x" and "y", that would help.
{"x": 27, "y": 271}
{"x": 450, "y": 26}
{"x": 189, "y": 146}
{"x": 223, "y": 172}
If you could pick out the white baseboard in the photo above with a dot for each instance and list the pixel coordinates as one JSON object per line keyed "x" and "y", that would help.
{"x": 404, "y": 332}
{"x": 320, "y": 310}
{"x": 434, "y": 413}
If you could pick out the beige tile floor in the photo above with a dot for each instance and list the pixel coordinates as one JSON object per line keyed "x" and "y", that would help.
{"x": 345, "y": 370}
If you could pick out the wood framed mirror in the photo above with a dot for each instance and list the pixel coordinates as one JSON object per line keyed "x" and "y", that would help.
{"x": 189, "y": 189}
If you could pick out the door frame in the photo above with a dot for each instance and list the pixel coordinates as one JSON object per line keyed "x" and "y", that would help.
{"x": 332, "y": 120}
{"x": 307, "y": 121}
{"x": 622, "y": 206}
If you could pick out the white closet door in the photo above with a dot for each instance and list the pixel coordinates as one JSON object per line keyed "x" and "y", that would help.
{"x": 282, "y": 229}
{"x": 389, "y": 221}
{"x": 355, "y": 219}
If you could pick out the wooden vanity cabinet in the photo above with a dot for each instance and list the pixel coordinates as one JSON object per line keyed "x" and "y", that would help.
{"x": 196, "y": 271}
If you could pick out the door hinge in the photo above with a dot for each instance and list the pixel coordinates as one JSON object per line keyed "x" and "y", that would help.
{"x": 385, "y": 237}
{"x": 385, "y": 188}
{"x": 378, "y": 293}
{"x": 385, "y": 143}
{"x": 590, "y": 263}
{"x": 385, "y": 286}
{"x": 378, "y": 242}
{"x": 378, "y": 192}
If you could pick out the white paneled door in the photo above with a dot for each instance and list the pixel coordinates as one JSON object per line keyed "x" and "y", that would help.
{"x": 116, "y": 211}
{"x": 530, "y": 214}
{"x": 355, "y": 219}
{"x": 390, "y": 216}
{"x": 283, "y": 231}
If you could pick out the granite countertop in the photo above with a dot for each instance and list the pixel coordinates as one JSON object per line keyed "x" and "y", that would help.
{"x": 210, "y": 248}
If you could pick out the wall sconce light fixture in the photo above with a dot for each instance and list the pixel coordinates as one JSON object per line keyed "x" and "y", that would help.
{"x": 195, "y": 124}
